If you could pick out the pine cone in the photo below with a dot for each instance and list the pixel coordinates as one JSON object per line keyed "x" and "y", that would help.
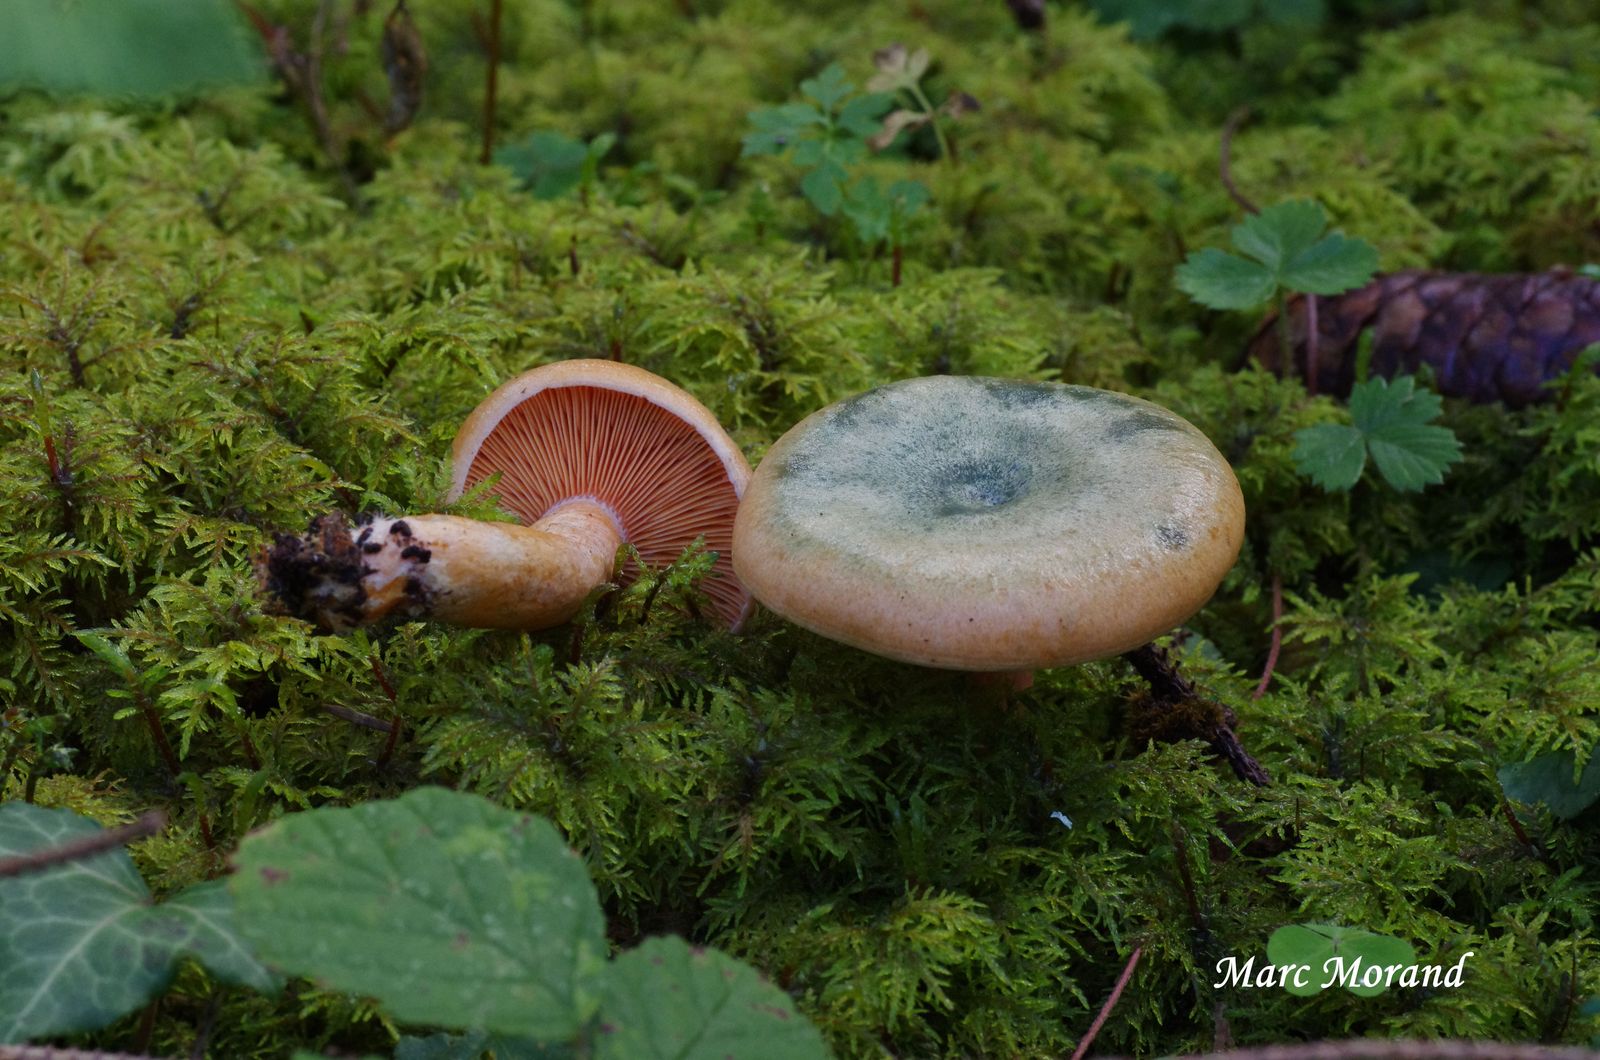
{"x": 1486, "y": 337}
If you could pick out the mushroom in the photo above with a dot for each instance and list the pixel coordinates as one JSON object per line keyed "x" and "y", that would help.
{"x": 590, "y": 454}
{"x": 989, "y": 524}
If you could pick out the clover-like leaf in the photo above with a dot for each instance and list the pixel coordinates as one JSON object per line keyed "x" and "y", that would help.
{"x": 82, "y": 943}
{"x": 450, "y": 910}
{"x": 1394, "y": 418}
{"x": 1389, "y": 423}
{"x": 1283, "y": 247}
{"x": 666, "y": 1000}
{"x": 1330, "y": 950}
{"x": 1330, "y": 454}
{"x": 1220, "y": 280}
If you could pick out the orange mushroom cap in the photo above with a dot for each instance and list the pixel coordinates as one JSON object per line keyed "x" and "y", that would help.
{"x": 646, "y": 450}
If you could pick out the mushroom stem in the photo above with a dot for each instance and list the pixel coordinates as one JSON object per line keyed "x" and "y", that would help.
{"x": 462, "y": 571}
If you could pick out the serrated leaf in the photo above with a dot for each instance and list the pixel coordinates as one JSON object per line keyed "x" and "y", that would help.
{"x": 667, "y": 1001}
{"x": 133, "y": 47}
{"x": 81, "y": 944}
{"x": 1549, "y": 779}
{"x": 828, "y": 88}
{"x": 449, "y": 910}
{"x": 821, "y": 187}
{"x": 1330, "y": 454}
{"x": 1331, "y": 265}
{"x": 1410, "y": 456}
{"x": 1280, "y": 233}
{"x": 1224, "y": 281}
{"x": 1393, "y": 417}
{"x": 862, "y": 115}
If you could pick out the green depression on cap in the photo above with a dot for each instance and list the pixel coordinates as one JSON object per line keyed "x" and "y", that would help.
{"x": 989, "y": 524}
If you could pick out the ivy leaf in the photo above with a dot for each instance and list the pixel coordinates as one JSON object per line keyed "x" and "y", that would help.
{"x": 1285, "y": 247}
{"x": 1389, "y": 423}
{"x": 1549, "y": 779}
{"x": 450, "y": 910}
{"x": 1314, "y": 945}
{"x": 82, "y": 943}
{"x": 665, "y": 1000}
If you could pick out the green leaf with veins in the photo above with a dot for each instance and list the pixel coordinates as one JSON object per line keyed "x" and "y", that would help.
{"x": 82, "y": 943}
{"x": 1389, "y": 422}
{"x": 450, "y": 910}
{"x": 1331, "y": 454}
{"x": 1283, "y": 247}
{"x": 666, "y": 1000}
{"x": 1314, "y": 945}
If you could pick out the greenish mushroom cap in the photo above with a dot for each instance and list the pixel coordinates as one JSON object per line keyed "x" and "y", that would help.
{"x": 989, "y": 524}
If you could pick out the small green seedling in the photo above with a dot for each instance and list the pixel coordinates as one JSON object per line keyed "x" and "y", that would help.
{"x": 827, "y": 134}
{"x": 550, "y": 164}
{"x": 1391, "y": 422}
{"x": 1285, "y": 248}
{"x": 1335, "y": 954}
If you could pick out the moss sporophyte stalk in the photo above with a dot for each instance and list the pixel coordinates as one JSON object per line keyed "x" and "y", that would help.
{"x": 277, "y": 289}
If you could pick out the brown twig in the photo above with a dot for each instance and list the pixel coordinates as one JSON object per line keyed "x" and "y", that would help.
{"x": 1400, "y": 1049}
{"x": 1516, "y": 825}
{"x": 87, "y": 846}
{"x": 1225, "y": 159}
{"x": 356, "y": 717}
{"x": 1105, "y": 1010}
{"x": 1311, "y": 345}
{"x": 1277, "y": 638}
{"x": 398, "y": 723}
{"x": 492, "y": 87}
{"x": 1177, "y": 711}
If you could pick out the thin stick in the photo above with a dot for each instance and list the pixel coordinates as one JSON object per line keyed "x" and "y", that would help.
{"x": 88, "y": 846}
{"x": 356, "y": 717}
{"x": 1311, "y": 345}
{"x": 1225, "y": 159}
{"x": 491, "y": 89}
{"x": 1105, "y": 1010}
{"x": 1277, "y": 637}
